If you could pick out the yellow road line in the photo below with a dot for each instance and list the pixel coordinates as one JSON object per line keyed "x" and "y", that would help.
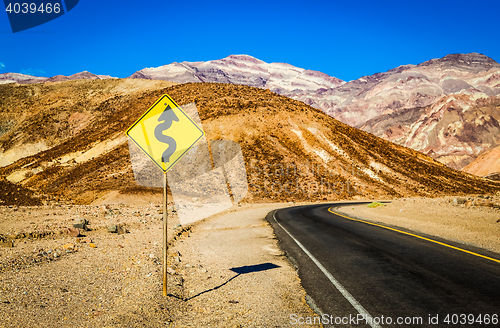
{"x": 410, "y": 234}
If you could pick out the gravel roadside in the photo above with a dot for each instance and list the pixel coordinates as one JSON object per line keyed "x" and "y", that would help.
{"x": 236, "y": 276}
{"x": 224, "y": 271}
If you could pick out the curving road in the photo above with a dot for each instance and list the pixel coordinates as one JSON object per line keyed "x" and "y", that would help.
{"x": 355, "y": 270}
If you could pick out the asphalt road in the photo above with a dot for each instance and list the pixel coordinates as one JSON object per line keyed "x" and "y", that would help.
{"x": 350, "y": 268}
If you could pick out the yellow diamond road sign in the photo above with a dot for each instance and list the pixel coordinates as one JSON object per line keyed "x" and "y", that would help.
{"x": 165, "y": 133}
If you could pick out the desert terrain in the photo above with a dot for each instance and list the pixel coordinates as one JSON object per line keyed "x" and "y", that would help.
{"x": 114, "y": 279}
{"x": 65, "y": 165}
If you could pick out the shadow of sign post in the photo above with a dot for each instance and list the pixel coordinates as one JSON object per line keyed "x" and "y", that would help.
{"x": 239, "y": 271}
{"x": 254, "y": 268}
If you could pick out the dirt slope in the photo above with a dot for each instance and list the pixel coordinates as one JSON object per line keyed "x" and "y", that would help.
{"x": 67, "y": 141}
{"x": 487, "y": 164}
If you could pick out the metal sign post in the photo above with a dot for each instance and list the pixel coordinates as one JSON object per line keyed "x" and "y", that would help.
{"x": 165, "y": 242}
{"x": 165, "y": 150}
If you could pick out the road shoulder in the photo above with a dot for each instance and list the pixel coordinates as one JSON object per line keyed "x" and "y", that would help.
{"x": 234, "y": 274}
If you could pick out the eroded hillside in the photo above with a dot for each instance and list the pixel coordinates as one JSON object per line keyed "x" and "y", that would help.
{"x": 66, "y": 141}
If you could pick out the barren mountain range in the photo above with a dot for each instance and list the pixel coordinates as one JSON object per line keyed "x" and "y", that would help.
{"x": 281, "y": 78}
{"x": 71, "y": 147}
{"x": 29, "y": 79}
{"x": 447, "y": 108}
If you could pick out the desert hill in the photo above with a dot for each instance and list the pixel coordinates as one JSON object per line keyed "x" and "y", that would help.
{"x": 486, "y": 165}
{"x": 66, "y": 142}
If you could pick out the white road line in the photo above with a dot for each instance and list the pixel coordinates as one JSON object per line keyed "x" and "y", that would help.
{"x": 361, "y": 310}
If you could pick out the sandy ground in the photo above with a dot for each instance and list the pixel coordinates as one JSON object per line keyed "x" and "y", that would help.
{"x": 476, "y": 222}
{"x": 56, "y": 281}
{"x": 51, "y": 279}
{"x": 236, "y": 276}
{"x": 224, "y": 271}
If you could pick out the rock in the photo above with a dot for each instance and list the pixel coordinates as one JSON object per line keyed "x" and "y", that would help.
{"x": 119, "y": 229}
{"x": 4, "y": 243}
{"x": 80, "y": 223}
{"x": 72, "y": 232}
{"x": 461, "y": 201}
{"x": 69, "y": 246}
{"x": 171, "y": 271}
{"x": 109, "y": 213}
{"x": 92, "y": 245}
{"x": 488, "y": 203}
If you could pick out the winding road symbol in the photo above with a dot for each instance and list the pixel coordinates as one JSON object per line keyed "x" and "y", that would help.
{"x": 167, "y": 117}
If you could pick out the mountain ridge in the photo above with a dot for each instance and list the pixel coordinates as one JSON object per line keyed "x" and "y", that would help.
{"x": 406, "y": 97}
{"x": 30, "y": 79}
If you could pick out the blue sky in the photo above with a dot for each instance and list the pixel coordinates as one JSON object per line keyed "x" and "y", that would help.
{"x": 341, "y": 38}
